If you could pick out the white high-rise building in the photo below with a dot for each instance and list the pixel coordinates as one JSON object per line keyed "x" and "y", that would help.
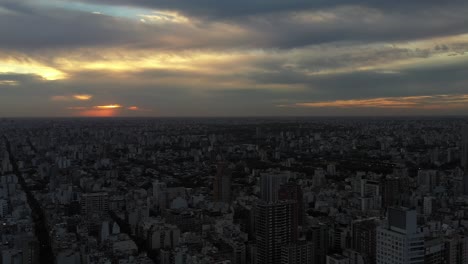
{"x": 400, "y": 242}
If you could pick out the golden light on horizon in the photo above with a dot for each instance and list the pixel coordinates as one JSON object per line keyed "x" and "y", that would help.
{"x": 30, "y": 66}
{"x": 98, "y": 113}
{"x": 442, "y": 101}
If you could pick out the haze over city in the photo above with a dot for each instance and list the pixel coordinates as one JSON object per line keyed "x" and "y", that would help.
{"x": 98, "y": 58}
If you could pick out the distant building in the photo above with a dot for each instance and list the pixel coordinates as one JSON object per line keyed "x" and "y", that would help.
{"x": 464, "y": 158}
{"x": 337, "y": 259}
{"x": 393, "y": 191}
{"x": 297, "y": 253}
{"x": 94, "y": 203}
{"x": 364, "y": 239}
{"x": 434, "y": 251}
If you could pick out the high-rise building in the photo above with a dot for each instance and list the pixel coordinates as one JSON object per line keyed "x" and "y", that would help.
{"x": 464, "y": 158}
{"x": 94, "y": 203}
{"x": 270, "y": 185}
{"x": 364, "y": 238}
{"x": 293, "y": 191}
{"x": 29, "y": 246}
{"x": 222, "y": 184}
{"x": 276, "y": 228}
{"x": 400, "y": 241}
{"x": 456, "y": 249}
{"x": 319, "y": 236}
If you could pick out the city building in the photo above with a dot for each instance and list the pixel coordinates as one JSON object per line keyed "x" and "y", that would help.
{"x": 222, "y": 183}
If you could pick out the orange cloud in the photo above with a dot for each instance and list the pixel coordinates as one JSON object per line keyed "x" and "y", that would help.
{"x": 80, "y": 97}
{"x": 420, "y": 102}
{"x": 133, "y": 108}
{"x": 112, "y": 106}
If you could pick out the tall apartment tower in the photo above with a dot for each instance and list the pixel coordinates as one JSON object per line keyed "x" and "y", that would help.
{"x": 319, "y": 235}
{"x": 400, "y": 242}
{"x": 464, "y": 158}
{"x": 293, "y": 191}
{"x": 276, "y": 227}
{"x": 456, "y": 249}
{"x": 270, "y": 185}
{"x": 222, "y": 183}
{"x": 94, "y": 203}
{"x": 275, "y": 220}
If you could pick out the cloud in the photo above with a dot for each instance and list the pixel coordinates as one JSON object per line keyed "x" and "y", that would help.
{"x": 409, "y": 102}
{"x": 21, "y": 64}
{"x": 74, "y": 97}
{"x": 217, "y": 57}
{"x": 219, "y": 9}
{"x": 163, "y": 17}
{"x": 82, "y": 97}
{"x": 36, "y": 27}
{"x": 8, "y": 83}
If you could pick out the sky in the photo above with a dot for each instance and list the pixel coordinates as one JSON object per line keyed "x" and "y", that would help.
{"x": 102, "y": 58}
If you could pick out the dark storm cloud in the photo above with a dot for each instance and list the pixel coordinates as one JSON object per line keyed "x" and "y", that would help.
{"x": 24, "y": 27}
{"x": 28, "y": 27}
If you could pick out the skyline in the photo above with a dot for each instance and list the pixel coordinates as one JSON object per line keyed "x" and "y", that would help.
{"x": 98, "y": 58}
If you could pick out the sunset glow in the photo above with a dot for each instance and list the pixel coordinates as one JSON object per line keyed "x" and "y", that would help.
{"x": 82, "y": 97}
{"x": 423, "y": 102}
{"x": 98, "y": 113}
